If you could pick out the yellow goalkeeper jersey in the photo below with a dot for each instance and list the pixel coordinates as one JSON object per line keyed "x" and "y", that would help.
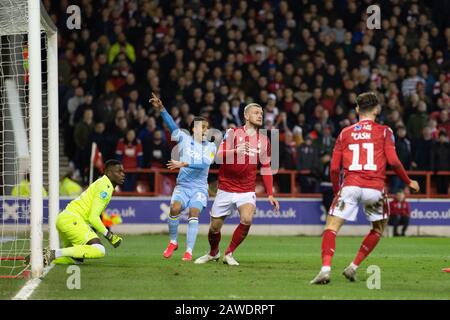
{"x": 91, "y": 203}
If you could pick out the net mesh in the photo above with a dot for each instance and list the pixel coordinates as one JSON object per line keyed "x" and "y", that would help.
{"x": 15, "y": 139}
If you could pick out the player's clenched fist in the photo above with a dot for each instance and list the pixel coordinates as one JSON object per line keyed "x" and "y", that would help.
{"x": 114, "y": 239}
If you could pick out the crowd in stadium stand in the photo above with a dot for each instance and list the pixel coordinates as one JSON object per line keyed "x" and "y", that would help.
{"x": 303, "y": 61}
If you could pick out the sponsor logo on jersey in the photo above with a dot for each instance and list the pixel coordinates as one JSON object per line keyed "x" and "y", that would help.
{"x": 103, "y": 194}
{"x": 357, "y": 127}
{"x": 361, "y": 135}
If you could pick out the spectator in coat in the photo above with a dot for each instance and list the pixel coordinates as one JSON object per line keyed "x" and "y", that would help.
{"x": 403, "y": 147}
{"x": 308, "y": 158}
{"x": 440, "y": 161}
{"x": 82, "y": 137}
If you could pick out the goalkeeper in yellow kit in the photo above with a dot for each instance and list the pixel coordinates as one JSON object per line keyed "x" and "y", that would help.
{"x": 81, "y": 218}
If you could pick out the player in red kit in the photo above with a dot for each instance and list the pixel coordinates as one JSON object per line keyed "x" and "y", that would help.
{"x": 240, "y": 152}
{"x": 362, "y": 150}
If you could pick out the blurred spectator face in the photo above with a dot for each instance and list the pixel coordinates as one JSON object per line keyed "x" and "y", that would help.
{"x": 209, "y": 85}
{"x": 131, "y": 79}
{"x": 118, "y": 104}
{"x": 394, "y": 116}
{"x": 122, "y": 39}
{"x": 318, "y": 111}
{"x": 74, "y": 82}
{"x": 422, "y": 108}
{"x": 157, "y": 137}
{"x": 288, "y": 137}
{"x": 301, "y": 118}
{"x": 309, "y": 68}
{"x": 268, "y": 124}
{"x": 123, "y": 123}
{"x": 289, "y": 93}
{"x": 151, "y": 124}
{"x": 82, "y": 75}
{"x": 175, "y": 112}
{"x": 224, "y": 90}
{"x": 443, "y": 116}
{"x": 119, "y": 114}
{"x": 400, "y": 196}
{"x": 432, "y": 123}
{"x": 79, "y": 92}
{"x": 401, "y": 132}
{"x": 348, "y": 37}
{"x": 100, "y": 128}
{"x": 224, "y": 108}
{"x": 262, "y": 82}
{"x": 184, "y": 109}
{"x": 329, "y": 93}
{"x": 308, "y": 141}
{"x": 209, "y": 98}
{"x": 198, "y": 94}
{"x": 141, "y": 114}
{"x": 131, "y": 135}
{"x": 132, "y": 108}
{"x": 289, "y": 69}
{"x": 88, "y": 99}
{"x": 272, "y": 99}
{"x": 317, "y": 93}
{"x": 88, "y": 115}
{"x": 412, "y": 71}
{"x": 427, "y": 133}
{"x": 443, "y": 137}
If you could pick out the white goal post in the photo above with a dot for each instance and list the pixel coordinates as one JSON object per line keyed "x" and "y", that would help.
{"x": 28, "y": 18}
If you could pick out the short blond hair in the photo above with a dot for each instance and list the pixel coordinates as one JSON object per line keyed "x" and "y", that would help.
{"x": 253, "y": 104}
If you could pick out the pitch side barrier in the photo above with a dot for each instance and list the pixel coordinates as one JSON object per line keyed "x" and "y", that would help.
{"x": 429, "y": 217}
{"x": 159, "y": 178}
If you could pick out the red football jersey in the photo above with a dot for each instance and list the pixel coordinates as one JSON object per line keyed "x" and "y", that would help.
{"x": 129, "y": 153}
{"x": 237, "y": 172}
{"x": 363, "y": 150}
{"x": 399, "y": 208}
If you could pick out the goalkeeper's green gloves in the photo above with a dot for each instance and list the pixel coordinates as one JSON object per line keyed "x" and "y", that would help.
{"x": 114, "y": 239}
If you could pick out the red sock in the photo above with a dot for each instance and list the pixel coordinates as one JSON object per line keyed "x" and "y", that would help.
{"x": 328, "y": 246}
{"x": 238, "y": 236}
{"x": 214, "y": 239}
{"x": 368, "y": 244}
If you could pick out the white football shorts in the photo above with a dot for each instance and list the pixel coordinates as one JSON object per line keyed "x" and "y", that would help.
{"x": 227, "y": 203}
{"x": 346, "y": 203}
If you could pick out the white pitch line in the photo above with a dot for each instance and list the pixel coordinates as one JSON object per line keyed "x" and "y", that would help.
{"x": 31, "y": 285}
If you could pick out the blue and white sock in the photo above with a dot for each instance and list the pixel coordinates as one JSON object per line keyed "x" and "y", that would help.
{"x": 191, "y": 234}
{"x": 173, "y": 223}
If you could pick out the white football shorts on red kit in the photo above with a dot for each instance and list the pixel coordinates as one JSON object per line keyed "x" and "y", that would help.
{"x": 227, "y": 203}
{"x": 347, "y": 201}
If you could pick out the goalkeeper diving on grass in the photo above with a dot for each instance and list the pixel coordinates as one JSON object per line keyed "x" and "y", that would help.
{"x": 191, "y": 191}
{"x": 78, "y": 223}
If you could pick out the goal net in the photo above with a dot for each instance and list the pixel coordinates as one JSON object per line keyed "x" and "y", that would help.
{"x": 28, "y": 142}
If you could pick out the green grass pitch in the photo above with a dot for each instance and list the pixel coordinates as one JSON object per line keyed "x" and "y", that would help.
{"x": 271, "y": 268}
